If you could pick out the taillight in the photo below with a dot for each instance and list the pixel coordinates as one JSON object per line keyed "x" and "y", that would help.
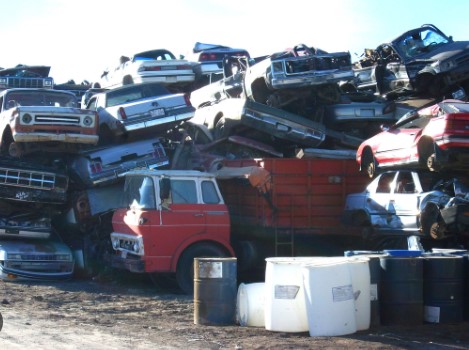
{"x": 96, "y": 167}
{"x": 184, "y": 67}
{"x": 187, "y": 99}
{"x": 208, "y": 57}
{"x": 122, "y": 114}
{"x": 152, "y": 68}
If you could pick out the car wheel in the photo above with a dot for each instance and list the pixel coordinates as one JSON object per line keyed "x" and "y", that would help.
{"x": 368, "y": 164}
{"x": 127, "y": 80}
{"x": 432, "y": 163}
{"x": 437, "y": 231}
{"x": 223, "y": 128}
{"x": 185, "y": 266}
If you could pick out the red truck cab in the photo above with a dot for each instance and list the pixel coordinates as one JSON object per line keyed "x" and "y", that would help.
{"x": 167, "y": 219}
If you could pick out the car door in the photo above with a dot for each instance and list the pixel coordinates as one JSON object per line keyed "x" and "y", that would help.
{"x": 404, "y": 198}
{"x": 397, "y": 144}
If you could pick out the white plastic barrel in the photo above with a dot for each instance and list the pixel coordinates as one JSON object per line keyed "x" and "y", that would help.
{"x": 285, "y": 308}
{"x": 250, "y": 304}
{"x": 360, "y": 273}
{"x": 329, "y": 298}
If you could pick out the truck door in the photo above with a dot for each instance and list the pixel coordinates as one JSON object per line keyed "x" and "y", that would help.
{"x": 182, "y": 216}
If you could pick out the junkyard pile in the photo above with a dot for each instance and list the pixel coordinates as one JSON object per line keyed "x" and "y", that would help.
{"x": 61, "y": 165}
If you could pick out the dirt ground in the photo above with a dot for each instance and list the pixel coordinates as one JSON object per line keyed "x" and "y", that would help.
{"x": 129, "y": 312}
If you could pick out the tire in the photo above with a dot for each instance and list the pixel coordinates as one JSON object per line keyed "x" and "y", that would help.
{"x": 368, "y": 164}
{"x": 185, "y": 266}
{"x": 223, "y": 128}
{"x": 127, "y": 80}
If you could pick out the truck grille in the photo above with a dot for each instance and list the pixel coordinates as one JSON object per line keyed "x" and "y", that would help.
{"x": 26, "y": 83}
{"x": 56, "y": 120}
{"x": 31, "y": 179}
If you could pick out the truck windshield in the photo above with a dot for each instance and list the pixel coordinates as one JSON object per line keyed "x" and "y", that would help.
{"x": 139, "y": 192}
{"x": 40, "y": 98}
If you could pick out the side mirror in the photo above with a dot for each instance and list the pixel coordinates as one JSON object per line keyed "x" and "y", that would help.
{"x": 165, "y": 188}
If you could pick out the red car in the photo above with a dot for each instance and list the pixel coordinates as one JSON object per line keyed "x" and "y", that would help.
{"x": 433, "y": 138}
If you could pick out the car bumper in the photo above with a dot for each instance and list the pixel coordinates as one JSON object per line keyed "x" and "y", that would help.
{"x": 46, "y": 137}
{"x": 132, "y": 265}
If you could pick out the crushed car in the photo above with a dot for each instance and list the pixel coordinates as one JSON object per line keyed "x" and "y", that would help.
{"x": 445, "y": 210}
{"x": 29, "y": 181}
{"x": 208, "y": 61}
{"x": 424, "y": 60}
{"x": 231, "y": 116}
{"x": 26, "y": 76}
{"x": 101, "y": 167}
{"x": 406, "y": 203}
{"x": 138, "y": 109}
{"x": 433, "y": 138}
{"x": 44, "y": 120}
{"x": 287, "y": 76}
{"x": 29, "y": 258}
{"x": 158, "y": 65}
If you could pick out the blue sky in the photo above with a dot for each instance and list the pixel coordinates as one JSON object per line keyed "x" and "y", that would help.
{"x": 80, "y": 38}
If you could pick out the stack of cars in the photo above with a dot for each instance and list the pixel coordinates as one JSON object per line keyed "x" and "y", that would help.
{"x": 396, "y": 107}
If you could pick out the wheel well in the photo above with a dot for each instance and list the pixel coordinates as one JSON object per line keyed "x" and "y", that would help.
{"x": 367, "y": 152}
{"x": 260, "y": 91}
{"x": 184, "y": 248}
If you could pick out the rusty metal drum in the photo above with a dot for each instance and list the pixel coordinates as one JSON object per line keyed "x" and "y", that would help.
{"x": 215, "y": 291}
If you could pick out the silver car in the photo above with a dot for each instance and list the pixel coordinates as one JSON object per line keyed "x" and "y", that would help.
{"x": 32, "y": 258}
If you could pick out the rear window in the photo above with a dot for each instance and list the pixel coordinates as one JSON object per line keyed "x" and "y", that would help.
{"x": 133, "y": 93}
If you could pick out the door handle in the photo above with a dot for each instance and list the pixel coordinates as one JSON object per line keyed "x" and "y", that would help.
{"x": 198, "y": 215}
{"x": 142, "y": 221}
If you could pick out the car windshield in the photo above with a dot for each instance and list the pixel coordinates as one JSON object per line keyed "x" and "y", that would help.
{"x": 40, "y": 98}
{"x": 418, "y": 42}
{"x": 455, "y": 107}
{"x": 134, "y": 92}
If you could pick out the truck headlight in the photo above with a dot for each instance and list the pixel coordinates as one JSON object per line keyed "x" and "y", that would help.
{"x": 26, "y": 118}
{"x": 115, "y": 243}
{"x": 136, "y": 247}
{"x": 87, "y": 121}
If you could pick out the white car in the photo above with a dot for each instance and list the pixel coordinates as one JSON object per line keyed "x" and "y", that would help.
{"x": 138, "y": 110}
{"x": 149, "y": 66}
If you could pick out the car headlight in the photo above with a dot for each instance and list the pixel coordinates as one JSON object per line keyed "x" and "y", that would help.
{"x": 13, "y": 256}
{"x": 115, "y": 243}
{"x": 439, "y": 66}
{"x": 87, "y": 121}
{"x": 26, "y": 118}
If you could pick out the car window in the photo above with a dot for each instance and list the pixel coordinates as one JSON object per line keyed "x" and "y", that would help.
{"x": 416, "y": 123}
{"x": 134, "y": 93}
{"x": 405, "y": 183}
{"x": 385, "y": 182}
{"x": 184, "y": 191}
{"x": 139, "y": 192}
{"x": 209, "y": 193}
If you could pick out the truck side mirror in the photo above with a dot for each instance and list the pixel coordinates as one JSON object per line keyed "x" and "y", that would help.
{"x": 165, "y": 188}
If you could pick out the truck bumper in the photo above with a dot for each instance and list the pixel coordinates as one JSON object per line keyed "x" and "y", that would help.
{"x": 132, "y": 265}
